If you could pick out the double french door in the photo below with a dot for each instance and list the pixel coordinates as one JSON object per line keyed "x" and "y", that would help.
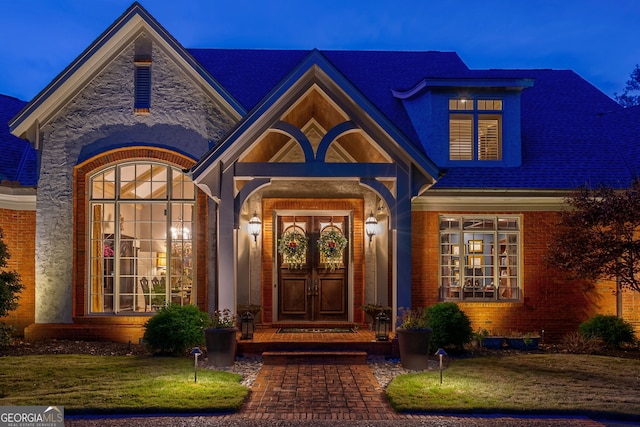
{"x": 313, "y": 268}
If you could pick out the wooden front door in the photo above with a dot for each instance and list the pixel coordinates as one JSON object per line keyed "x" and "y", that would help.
{"x": 311, "y": 285}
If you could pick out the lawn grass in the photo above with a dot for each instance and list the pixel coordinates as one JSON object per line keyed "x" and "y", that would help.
{"x": 531, "y": 383}
{"x": 117, "y": 384}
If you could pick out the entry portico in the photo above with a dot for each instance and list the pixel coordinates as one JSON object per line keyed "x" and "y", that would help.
{"x": 314, "y": 147}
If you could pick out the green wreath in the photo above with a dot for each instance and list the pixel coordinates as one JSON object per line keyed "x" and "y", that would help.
{"x": 293, "y": 248}
{"x": 332, "y": 244}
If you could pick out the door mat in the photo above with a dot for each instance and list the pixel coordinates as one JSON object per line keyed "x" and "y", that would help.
{"x": 316, "y": 330}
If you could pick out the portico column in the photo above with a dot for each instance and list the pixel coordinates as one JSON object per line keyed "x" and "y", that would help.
{"x": 227, "y": 245}
{"x": 402, "y": 257}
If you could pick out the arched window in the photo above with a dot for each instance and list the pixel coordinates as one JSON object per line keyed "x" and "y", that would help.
{"x": 141, "y": 246}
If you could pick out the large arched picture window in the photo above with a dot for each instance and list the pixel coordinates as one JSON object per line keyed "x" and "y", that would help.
{"x": 141, "y": 246}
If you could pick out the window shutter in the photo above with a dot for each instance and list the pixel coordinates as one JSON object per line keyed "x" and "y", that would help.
{"x": 461, "y": 138}
{"x": 142, "y": 102}
{"x": 488, "y": 139}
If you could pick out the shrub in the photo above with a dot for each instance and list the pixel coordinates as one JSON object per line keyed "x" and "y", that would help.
{"x": 610, "y": 329}
{"x": 10, "y": 284}
{"x": 576, "y": 343}
{"x": 6, "y": 334}
{"x": 451, "y": 326}
{"x": 175, "y": 329}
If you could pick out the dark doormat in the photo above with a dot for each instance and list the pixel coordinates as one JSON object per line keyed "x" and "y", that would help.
{"x": 316, "y": 330}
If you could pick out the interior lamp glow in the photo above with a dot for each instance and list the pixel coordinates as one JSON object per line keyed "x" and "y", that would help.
{"x": 161, "y": 262}
{"x": 255, "y": 226}
{"x": 371, "y": 226}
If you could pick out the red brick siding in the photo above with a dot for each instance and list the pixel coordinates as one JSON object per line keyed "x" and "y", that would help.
{"x": 19, "y": 231}
{"x": 550, "y": 300}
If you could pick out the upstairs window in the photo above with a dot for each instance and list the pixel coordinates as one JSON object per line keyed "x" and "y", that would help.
{"x": 475, "y": 120}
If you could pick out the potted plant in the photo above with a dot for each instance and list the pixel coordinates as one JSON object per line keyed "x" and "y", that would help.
{"x": 220, "y": 338}
{"x": 519, "y": 341}
{"x": 414, "y": 338}
{"x": 488, "y": 340}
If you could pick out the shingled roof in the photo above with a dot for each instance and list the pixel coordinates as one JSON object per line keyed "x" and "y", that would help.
{"x": 572, "y": 133}
{"x": 18, "y": 162}
{"x": 566, "y": 141}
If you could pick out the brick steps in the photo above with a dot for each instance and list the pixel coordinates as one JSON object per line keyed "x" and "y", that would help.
{"x": 314, "y": 357}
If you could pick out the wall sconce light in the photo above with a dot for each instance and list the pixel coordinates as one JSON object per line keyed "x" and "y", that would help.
{"x": 371, "y": 226}
{"x": 161, "y": 261}
{"x": 255, "y": 226}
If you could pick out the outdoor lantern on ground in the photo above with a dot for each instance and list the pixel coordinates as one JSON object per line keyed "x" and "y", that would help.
{"x": 247, "y": 326}
{"x": 382, "y": 327}
{"x": 441, "y": 353}
{"x": 196, "y": 352}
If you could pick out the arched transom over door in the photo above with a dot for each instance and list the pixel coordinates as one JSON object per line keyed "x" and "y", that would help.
{"x": 313, "y": 265}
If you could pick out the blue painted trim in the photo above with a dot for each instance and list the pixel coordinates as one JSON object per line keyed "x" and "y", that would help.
{"x": 300, "y": 137}
{"x": 316, "y": 170}
{"x": 480, "y": 83}
{"x": 243, "y": 195}
{"x": 384, "y": 194}
{"x": 333, "y": 134}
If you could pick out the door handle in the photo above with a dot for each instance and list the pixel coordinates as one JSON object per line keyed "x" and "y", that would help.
{"x": 315, "y": 287}
{"x": 309, "y": 290}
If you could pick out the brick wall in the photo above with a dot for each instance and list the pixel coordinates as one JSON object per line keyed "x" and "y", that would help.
{"x": 550, "y": 300}
{"x": 19, "y": 229}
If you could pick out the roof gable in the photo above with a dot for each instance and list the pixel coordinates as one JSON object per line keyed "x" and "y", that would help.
{"x": 314, "y": 69}
{"x": 108, "y": 45}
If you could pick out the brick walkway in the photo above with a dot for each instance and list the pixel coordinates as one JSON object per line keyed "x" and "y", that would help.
{"x": 325, "y": 392}
{"x": 317, "y": 392}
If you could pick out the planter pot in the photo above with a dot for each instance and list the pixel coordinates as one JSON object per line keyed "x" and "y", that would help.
{"x": 414, "y": 348}
{"x": 221, "y": 346}
{"x": 492, "y": 342}
{"x": 522, "y": 343}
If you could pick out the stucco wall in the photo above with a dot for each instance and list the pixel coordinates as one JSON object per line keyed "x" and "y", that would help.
{"x": 97, "y": 119}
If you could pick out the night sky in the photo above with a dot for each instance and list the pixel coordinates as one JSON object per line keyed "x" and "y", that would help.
{"x": 600, "y": 40}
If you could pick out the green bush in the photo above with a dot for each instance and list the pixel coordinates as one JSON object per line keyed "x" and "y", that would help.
{"x": 450, "y": 326}
{"x": 6, "y": 334}
{"x": 175, "y": 329}
{"x": 610, "y": 329}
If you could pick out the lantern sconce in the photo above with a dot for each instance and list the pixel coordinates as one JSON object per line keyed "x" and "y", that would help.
{"x": 255, "y": 226}
{"x": 371, "y": 226}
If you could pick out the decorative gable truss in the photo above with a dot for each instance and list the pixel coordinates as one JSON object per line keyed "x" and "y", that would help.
{"x": 315, "y": 124}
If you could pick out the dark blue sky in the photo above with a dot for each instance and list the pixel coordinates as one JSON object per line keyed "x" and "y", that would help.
{"x": 599, "y": 39}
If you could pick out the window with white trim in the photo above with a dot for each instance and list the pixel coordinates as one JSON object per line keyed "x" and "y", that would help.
{"x": 140, "y": 234}
{"x": 475, "y": 120}
{"x": 480, "y": 257}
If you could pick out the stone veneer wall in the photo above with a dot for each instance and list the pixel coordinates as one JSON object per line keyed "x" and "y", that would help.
{"x": 550, "y": 300}
{"x": 182, "y": 118}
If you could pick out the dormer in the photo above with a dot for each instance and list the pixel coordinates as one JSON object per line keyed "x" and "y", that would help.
{"x": 468, "y": 122}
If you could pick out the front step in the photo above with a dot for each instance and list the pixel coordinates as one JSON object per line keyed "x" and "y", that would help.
{"x": 314, "y": 357}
